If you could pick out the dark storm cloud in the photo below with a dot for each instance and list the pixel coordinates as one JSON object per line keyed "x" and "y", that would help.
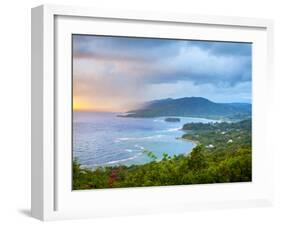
{"x": 131, "y": 49}
{"x": 172, "y": 60}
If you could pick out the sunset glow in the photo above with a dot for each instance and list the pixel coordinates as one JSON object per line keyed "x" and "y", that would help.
{"x": 79, "y": 104}
{"x": 82, "y": 104}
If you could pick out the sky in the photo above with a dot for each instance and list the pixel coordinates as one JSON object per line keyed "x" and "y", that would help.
{"x": 117, "y": 74}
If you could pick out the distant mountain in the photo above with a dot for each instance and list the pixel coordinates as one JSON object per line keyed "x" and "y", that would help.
{"x": 192, "y": 107}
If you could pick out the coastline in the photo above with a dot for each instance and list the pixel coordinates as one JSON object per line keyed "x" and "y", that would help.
{"x": 194, "y": 142}
{"x": 173, "y": 131}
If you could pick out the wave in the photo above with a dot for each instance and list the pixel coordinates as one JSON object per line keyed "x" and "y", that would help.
{"x": 122, "y": 160}
{"x": 173, "y": 129}
{"x": 138, "y": 138}
{"x": 129, "y": 150}
{"x": 158, "y": 120}
{"x": 139, "y": 147}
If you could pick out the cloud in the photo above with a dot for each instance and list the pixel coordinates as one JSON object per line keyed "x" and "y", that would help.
{"x": 238, "y": 93}
{"x": 201, "y": 66}
{"x": 170, "y": 60}
{"x": 124, "y": 70}
{"x": 119, "y": 48}
{"x": 224, "y": 48}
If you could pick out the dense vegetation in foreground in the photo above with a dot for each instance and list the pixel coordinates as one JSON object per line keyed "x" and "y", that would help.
{"x": 223, "y": 154}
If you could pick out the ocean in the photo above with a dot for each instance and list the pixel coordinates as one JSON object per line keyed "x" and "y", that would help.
{"x": 104, "y": 139}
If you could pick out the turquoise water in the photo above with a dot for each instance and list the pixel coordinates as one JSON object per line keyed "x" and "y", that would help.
{"x": 103, "y": 139}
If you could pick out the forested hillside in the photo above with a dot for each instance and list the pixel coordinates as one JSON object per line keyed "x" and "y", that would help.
{"x": 192, "y": 107}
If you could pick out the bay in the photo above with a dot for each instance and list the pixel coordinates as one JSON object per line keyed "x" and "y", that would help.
{"x": 104, "y": 139}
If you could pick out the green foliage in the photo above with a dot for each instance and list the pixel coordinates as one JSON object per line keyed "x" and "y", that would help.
{"x": 222, "y": 162}
{"x": 150, "y": 154}
{"x": 220, "y": 137}
{"x": 197, "y": 158}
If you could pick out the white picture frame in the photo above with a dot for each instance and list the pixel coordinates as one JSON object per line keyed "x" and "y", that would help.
{"x": 52, "y": 197}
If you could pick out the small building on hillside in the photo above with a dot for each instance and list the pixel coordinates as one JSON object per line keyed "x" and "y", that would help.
{"x": 230, "y": 141}
{"x": 210, "y": 146}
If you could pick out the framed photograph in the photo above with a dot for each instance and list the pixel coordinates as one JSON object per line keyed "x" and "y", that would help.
{"x": 136, "y": 113}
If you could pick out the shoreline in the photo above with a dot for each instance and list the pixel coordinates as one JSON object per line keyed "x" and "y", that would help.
{"x": 194, "y": 142}
{"x": 186, "y": 148}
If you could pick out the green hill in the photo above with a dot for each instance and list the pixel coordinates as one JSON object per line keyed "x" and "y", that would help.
{"x": 192, "y": 107}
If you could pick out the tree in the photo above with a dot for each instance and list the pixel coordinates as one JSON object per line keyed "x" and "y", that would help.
{"x": 197, "y": 159}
